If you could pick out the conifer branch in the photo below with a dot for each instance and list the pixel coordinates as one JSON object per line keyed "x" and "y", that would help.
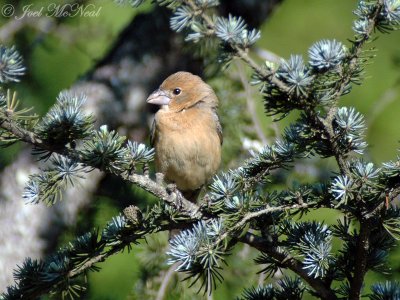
{"x": 346, "y": 79}
{"x": 238, "y": 199}
{"x": 175, "y": 199}
{"x": 243, "y": 54}
{"x": 252, "y": 215}
{"x": 287, "y": 261}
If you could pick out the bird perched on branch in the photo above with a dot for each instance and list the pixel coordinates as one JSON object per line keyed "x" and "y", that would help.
{"x": 186, "y": 132}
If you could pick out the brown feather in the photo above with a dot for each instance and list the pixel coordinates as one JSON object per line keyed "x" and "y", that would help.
{"x": 186, "y": 133}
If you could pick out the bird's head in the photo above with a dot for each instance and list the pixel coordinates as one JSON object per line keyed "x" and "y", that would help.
{"x": 183, "y": 90}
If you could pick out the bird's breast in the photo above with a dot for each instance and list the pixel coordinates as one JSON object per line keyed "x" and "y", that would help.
{"x": 188, "y": 149}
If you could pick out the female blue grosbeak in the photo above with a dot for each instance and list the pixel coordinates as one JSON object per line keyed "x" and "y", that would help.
{"x": 186, "y": 132}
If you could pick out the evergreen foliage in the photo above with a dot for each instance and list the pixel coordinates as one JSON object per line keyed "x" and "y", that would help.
{"x": 11, "y": 65}
{"x": 239, "y": 208}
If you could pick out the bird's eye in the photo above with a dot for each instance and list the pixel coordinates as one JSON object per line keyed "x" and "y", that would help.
{"x": 177, "y": 91}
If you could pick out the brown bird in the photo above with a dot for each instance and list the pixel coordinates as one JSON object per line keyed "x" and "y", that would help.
{"x": 186, "y": 132}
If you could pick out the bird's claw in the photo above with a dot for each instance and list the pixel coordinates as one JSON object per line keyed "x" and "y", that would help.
{"x": 159, "y": 178}
{"x": 171, "y": 188}
{"x": 207, "y": 200}
{"x": 179, "y": 199}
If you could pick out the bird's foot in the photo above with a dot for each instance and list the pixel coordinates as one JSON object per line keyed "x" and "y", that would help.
{"x": 171, "y": 188}
{"x": 205, "y": 205}
{"x": 207, "y": 200}
{"x": 159, "y": 178}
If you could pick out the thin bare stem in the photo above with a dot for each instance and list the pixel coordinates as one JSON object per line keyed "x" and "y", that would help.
{"x": 164, "y": 284}
{"x": 250, "y": 216}
{"x": 251, "y": 105}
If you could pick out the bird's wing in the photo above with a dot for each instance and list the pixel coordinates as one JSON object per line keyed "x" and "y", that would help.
{"x": 153, "y": 133}
{"x": 219, "y": 127}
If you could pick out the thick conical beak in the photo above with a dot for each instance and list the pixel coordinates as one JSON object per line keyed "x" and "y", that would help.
{"x": 158, "y": 97}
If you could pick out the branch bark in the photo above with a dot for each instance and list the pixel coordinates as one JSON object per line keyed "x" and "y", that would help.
{"x": 360, "y": 267}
